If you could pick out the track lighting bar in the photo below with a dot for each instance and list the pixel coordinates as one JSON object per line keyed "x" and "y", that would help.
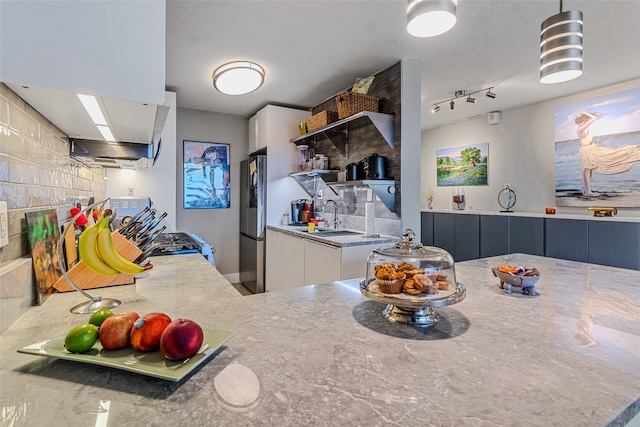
{"x": 461, "y": 94}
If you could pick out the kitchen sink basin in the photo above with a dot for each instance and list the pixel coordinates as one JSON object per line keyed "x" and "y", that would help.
{"x": 333, "y": 232}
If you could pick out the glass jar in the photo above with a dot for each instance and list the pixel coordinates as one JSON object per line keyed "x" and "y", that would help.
{"x": 303, "y": 157}
{"x": 458, "y": 199}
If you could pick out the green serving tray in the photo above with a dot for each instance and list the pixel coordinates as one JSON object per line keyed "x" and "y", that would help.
{"x": 150, "y": 363}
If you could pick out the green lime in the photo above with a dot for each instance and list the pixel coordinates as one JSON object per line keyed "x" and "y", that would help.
{"x": 81, "y": 338}
{"x": 99, "y": 316}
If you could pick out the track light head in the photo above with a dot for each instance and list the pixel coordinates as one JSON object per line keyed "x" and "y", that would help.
{"x": 435, "y": 108}
{"x": 452, "y": 104}
{"x": 471, "y": 100}
{"x": 491, "y": 94}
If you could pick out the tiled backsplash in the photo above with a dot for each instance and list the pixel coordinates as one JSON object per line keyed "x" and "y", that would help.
{"x": 36, "y": 173}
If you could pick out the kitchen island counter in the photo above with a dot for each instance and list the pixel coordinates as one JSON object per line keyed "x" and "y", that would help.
{"x": 324, "y": 355}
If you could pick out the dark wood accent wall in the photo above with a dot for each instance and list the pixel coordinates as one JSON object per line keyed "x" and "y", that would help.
{"x": 365, "y": 140}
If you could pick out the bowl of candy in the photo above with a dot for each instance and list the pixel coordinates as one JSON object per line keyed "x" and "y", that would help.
{"x": 523, "y": 277}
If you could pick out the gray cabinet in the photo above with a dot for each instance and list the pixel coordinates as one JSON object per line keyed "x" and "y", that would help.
{"x": 443, "y": 231}
{"x": 466, "y": 237}
{"x": 526, "y": 235}
{"x": 614, "y": 244}
{"x": 567, "y": 239}
{"x": 494, "y": 235}
{"x": 426, "y": 228}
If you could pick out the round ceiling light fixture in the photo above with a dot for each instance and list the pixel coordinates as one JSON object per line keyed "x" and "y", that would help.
{"x": 238, "y": 77}
{"x": 430, "y": 18}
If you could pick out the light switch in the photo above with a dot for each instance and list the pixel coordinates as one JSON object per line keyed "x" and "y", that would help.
{"x": 4, "y": 224}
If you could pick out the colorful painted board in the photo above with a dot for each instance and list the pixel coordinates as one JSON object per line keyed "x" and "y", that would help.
{"x": 43, "y": 233}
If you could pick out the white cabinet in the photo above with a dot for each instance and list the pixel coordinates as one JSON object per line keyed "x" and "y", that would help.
{"x": 291, "y": 261}
{"x": 274, "y": 126}
{"x": 272, "y": 261}
{"x": 322, "y": 262}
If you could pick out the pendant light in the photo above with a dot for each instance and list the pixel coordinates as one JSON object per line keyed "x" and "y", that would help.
{"x": 561, "y": 47}
{"x": 430, "y": 18}
{"x": 238, "y": 78}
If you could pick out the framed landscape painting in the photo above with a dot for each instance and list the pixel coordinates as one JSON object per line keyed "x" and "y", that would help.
{"x": 464, "y": 165}
{"x": 206, "y": 175}
{"x": 597, "y": 147}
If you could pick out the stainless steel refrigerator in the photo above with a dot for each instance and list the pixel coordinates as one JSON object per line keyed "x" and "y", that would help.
{"x": 253, "y": 214}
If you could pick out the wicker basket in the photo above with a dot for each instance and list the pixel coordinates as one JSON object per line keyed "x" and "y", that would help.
{"x": 350, "y": 103}
{"x": 322, "y": 119}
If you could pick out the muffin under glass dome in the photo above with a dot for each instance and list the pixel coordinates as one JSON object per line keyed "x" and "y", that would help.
{"x": 411, "y": 279}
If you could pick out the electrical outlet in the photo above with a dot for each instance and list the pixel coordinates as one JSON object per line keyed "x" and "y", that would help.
{"x": 4, "y": 224}
{"x": 341, "y": 194}
{"x": 319, "y": 194}
{"x": 369, "y": 195}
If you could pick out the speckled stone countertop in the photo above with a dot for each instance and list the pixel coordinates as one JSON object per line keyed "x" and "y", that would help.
{"x": 358, "y": 239}
{"x": 323, "y": 355}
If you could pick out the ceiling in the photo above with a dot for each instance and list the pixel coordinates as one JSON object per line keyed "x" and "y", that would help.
{"x": 313, "y": 49}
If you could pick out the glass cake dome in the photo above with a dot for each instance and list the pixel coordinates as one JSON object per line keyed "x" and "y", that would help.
{"x": 411, "y": 279}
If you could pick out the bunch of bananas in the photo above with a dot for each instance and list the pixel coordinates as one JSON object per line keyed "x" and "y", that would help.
{"x": 98, "y": 253}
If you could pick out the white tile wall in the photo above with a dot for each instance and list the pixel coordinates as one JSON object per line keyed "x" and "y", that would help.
{"x": 36, "y": 173}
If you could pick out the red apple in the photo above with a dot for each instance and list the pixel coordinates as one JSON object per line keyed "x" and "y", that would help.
{"x": 147, "y": 330}
{"x": 181, "y": 339}
{"x": 115, "y": 330}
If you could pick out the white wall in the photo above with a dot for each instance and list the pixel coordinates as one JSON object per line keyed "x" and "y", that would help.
{"x": 218, "y": 227}
{"x": 106, "y": 48}
{"x": 521, "y": 153}
{"x": 159, "y": 182}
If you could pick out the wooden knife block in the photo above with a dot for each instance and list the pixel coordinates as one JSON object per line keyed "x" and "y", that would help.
{"x": 85, "y": 278}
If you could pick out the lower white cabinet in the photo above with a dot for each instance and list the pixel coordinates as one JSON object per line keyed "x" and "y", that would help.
{"x": 322, "y": 262}
{"x": 293, "y": 261}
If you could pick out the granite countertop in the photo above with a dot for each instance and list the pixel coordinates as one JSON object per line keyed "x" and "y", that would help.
{"x": 356, "y": 239}
{"x": 324, "y": 355}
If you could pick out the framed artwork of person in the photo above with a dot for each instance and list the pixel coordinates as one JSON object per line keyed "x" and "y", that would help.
{"x": 597, "y": 147}
{"x": 206, "y": 182}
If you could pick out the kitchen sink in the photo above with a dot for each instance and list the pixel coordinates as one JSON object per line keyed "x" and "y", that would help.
{"x": 334, "y": 232}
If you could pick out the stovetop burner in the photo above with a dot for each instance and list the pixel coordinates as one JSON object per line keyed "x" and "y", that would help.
{"x": 175, "y": 243}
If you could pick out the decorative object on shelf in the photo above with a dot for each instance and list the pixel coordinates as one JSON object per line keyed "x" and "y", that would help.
{"x": 550, "y": 211}
{"x": 461, "y": 94}
{"x": 463, "y": 165}
{"x": 430, "y": 197}
{"x": 321, "y": 119}
{"x": 561, "y": 47}
{"x": 302, "y": 128}
{"x": 430, "y": 18}
{"x": 526, "y": 278}
{"x": 206, "y": 175}
{"x": 363, "y": 85}
{"x": 350, "y": 103}
{"x": 238, "y": 77}
{"x": 603, "y": 211}
{"x": 458, "y": 199}
{"x": 507, "y": 198}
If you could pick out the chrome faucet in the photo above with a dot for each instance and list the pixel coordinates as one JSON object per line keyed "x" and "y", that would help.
{"x": 336, "y": 221}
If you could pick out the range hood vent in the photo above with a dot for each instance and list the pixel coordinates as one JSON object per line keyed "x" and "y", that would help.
{"x": 120, "y": 155}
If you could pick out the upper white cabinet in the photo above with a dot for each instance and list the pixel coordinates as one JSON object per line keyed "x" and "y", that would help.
{"x": 273, "y": 126}
{"x": 103, "y": 48}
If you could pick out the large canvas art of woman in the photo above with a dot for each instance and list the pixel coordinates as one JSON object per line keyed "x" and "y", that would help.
{"x": 598, "y": 150}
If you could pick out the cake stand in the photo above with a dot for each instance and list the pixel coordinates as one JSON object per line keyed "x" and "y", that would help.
{"x": 416, "y": 310}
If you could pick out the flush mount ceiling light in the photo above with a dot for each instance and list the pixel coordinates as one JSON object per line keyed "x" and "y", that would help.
{"x": 561, "y": 47}
{"x": 460, "y": 94}
{"x": 430, "y": 18}
{"x": 238, "y": 78}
